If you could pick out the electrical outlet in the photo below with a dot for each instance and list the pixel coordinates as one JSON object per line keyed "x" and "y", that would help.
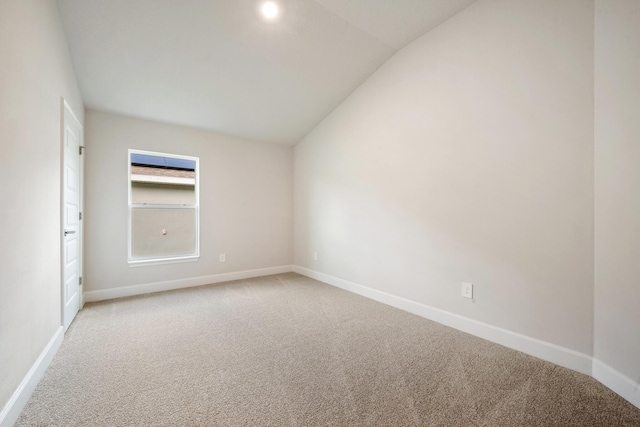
{"x": 467, "y": 290}
{"x": 315, "y": 256}
{"x": 223, "y": 258}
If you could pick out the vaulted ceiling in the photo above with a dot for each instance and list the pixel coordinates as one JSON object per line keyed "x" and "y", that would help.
{"x": 218, "y": 65}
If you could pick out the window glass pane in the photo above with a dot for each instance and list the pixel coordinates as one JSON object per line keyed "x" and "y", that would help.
{"x": 162, "y": 162}
{"x": 163, "y": 232}
{"x": 163, "y": 206}
{"x": 162, "y": 194}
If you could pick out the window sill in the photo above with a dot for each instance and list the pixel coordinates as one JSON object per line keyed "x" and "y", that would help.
{"x": 161, "y": 261}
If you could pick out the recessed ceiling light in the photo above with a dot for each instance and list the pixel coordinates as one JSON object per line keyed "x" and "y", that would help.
{"x": 269, "y": 10}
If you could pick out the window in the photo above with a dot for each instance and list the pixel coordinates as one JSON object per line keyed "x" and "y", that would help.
{"x": 163, "y": 208}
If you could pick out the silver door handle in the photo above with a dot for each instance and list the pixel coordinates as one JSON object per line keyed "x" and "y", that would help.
{"x": 69, "y": 232}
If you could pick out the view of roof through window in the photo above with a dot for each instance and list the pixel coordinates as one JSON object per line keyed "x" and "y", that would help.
{"x": 150, "y": 169}
{"x": 162, "y": 162}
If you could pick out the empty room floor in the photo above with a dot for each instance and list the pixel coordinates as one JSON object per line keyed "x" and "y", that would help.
{"x": 286, "y": 350}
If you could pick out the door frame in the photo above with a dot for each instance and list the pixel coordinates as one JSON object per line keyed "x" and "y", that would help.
{"x": 67, "y": 110}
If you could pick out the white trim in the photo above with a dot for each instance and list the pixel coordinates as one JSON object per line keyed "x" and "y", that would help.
{"x": 20, "y": 397}
{"x": 161, "y": 206}
{"x": 160, "y": 259}
{"x": 618, "y": 382}
{"x": 544, "y": 350}
{"x": 81, "y": 221}
{"x": 154, "y": 179}
{"x": 127, "y": 291}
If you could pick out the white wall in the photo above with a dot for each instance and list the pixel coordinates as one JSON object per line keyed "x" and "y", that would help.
{"x": 617, "y": 188}
{"x": 35, "y": 72}
{"x": 468, "y": 156}
{"x": 245, "y": 201}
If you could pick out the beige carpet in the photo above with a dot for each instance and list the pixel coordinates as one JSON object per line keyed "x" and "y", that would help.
{"x": 286, "y": 350}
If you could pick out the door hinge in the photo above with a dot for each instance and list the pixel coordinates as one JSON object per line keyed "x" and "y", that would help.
{"x": 80, "y": 215}
{"x": 80, "y": 149}
{"x": 80, "y": 281}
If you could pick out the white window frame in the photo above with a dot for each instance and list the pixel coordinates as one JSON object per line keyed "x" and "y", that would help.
{"x": 137, "y": 262}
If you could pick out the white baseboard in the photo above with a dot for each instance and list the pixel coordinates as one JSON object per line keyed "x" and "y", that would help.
{"x": 20, "y": 397}
{"x": 127, "y": 291}
{"x": 550, "y": 352}
{"x": 616, "y": 381}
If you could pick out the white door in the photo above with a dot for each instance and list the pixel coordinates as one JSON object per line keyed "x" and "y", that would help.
{"x": 71, "y": 229}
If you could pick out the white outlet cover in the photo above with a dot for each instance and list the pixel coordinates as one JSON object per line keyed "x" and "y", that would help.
{"x": 315, "y": 256}
{"x": 467, "y": 290}
{"x": 223, "y": 258}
